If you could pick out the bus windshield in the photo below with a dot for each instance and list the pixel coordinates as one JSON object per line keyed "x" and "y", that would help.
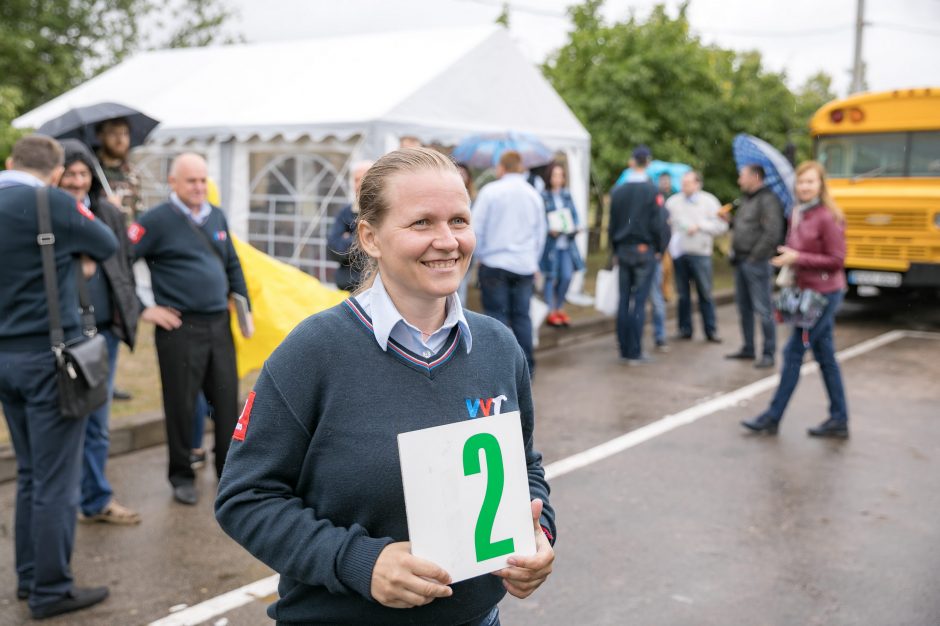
{"x": 878, "y": 155}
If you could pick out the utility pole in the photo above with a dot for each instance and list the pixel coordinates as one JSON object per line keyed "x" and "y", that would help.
{"x": 858, "y": 66}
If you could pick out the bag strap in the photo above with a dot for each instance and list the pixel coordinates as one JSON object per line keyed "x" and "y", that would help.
{"x": 46, "y": 241}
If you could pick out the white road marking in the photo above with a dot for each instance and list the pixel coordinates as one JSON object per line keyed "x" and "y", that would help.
{"x": 218, "y": 605}
{"x": 698, "y": 411}
{"x": 245, "y": 595}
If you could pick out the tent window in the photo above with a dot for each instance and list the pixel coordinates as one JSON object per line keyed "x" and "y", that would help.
{"x": 294, "y": 199}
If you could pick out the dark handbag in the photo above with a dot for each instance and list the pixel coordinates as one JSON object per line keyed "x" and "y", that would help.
{"x": 82, "y": 364}
{"x": 799, "y": 307}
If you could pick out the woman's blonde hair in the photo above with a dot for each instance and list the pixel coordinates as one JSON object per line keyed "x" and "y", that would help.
{"x": 824, "y": 196}
{"x": 373, "y": 201}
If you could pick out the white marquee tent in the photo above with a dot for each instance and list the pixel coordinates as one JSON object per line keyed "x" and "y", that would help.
{"x": 280, "y": 123}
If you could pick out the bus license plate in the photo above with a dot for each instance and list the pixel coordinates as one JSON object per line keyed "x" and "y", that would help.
{"x": 875, "y": 279}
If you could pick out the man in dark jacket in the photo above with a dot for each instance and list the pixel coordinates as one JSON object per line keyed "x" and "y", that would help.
{"x": 757, "y": 231}
{"x": 48, "y": 446}
{"x": 638, "y": 236}
{"x": 343, "y": 233}
{"x": 116, "y": 312}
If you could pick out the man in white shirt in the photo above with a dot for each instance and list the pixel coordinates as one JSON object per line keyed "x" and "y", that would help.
{"x": 695, "y": 224}
{"x": 509, "y": 222}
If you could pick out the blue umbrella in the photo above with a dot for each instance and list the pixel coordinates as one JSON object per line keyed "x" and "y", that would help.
{"x": 656, "y": 169}
{"x": 778, "y": 172}
{"x": 483, "y": 151}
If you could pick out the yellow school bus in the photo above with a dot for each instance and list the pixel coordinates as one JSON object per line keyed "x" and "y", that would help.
{"x": 882, "y": 152}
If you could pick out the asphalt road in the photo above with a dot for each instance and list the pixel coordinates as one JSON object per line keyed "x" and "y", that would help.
{"x": 700, "y": 525}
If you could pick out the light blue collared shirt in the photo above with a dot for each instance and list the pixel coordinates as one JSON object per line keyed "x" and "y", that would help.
{"x": 387, "y": 322}
{"x": 199, "y": 218}
{"x": 9, "y": 178}
{"x": 509, "y": 222}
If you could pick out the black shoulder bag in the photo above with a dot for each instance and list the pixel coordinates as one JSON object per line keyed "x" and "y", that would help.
{"x": 82, "y": 366}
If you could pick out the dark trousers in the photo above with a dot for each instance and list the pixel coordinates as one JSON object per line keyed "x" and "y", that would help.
{"x": 49, "y": 466}
{"x": 506, "y": 297}
{"x": 200, "y": 354}
{"x": 824, "y": 351}
{"x": 697, "y": 270}
{"x": 637, "y": 270}
{"x": 752, "y": 292}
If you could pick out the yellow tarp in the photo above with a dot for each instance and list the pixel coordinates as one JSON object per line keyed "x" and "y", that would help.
{"x": 281, "y": 296}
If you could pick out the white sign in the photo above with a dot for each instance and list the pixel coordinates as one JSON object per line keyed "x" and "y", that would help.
{"x": 467, "y": 494}
{"x": 560, "y": 221}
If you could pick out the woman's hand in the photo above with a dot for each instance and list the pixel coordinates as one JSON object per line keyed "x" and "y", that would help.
{"x": 787, "y": 256}
{"x": 401, "y": 580}
{"x": 526, "y": 573}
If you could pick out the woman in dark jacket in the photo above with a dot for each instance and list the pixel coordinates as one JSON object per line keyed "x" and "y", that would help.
{"x": 560, "y": 258}
{"x": 116, "y": 312}
{"x": 815, "y": 252}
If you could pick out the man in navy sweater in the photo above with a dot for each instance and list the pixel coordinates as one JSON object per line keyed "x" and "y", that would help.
{"x": 48, "y": 447}
{"x": 194, "y": 271}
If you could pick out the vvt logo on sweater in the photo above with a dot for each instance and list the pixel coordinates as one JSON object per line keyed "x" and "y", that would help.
{"x": 489, "y": 406}
{"x": 220, "y": 235}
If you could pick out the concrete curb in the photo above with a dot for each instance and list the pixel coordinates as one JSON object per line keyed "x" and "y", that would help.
{"x": 146, "y": 429}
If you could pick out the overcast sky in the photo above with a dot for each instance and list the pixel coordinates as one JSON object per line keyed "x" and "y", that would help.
{"x": 901, "y": 46}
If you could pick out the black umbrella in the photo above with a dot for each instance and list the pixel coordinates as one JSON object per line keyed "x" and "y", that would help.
{"x": 80, "y": 123}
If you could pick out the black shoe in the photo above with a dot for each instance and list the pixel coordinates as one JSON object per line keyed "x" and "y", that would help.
{"x": 830, "y": 428}
{"x": 197, "y": 459}
{"x": 186, "y": 494}
{"x": 713, "y": 339}
{"x": 120, "y": 394}
{"x": 763, "y": 423}
{"x": 22, "y": 594}
{"x": 764, "y": 363}
{"x": 76, "y": 599}
{"x": 682, "y": 337}
{"x": 741, "y": 355}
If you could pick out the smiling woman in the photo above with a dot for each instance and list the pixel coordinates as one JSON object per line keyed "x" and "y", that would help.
{"x": 312, "y": 485}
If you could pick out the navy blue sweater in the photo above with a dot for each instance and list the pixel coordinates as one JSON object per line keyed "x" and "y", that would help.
{"x": 314, "y": 490}
{"x": 185, "y": 273}
{"x": 24, "y": 312}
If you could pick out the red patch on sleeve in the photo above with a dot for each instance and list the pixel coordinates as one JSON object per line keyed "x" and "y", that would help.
{"x": 660, "y": 200}
{"x": 84, "y": 211}
{"x": 241, "y": 428}
{"x": 135, "y": 232}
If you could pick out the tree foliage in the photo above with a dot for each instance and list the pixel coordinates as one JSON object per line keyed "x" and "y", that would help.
{"x": 50, "y": 46}
{"x": 652, "y": 81}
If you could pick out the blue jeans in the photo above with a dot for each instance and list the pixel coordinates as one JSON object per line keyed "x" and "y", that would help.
{"x": 203, "y": 410}
{"x": 753, "y": 285}
{"x": 48, "y": 467}
{"x": 637, "y": 270}
{"x": 557, "y": 288}
{"x": 697, "y": 270}
{"x": 96, "y": 490}
{"x": 659, "y": 305}
{"x": 824, "y": 351}
{"x": 506, "y": 297}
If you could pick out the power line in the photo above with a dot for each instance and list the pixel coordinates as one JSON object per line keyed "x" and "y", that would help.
{"x": 806, "y": 32}
{"x": 904, "y": 28}
{"x": 519, "y": 8}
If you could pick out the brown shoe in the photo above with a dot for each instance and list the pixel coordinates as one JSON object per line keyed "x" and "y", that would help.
{"x": 114, "y": 513}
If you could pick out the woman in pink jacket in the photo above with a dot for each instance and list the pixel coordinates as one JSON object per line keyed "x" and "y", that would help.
{"x": 815, "y": 251}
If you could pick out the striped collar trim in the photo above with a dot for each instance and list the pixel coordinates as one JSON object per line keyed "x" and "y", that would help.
{"x": 400, "y": 351}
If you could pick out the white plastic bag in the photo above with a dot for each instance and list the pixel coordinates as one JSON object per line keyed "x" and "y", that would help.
{"x": 607, "y": 291}
{"x": 538, "y": 311}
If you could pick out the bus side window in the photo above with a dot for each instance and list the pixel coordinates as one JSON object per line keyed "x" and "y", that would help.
{"x": 925, "y": 154}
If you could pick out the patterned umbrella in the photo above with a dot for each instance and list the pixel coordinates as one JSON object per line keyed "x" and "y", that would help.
{"x": 779, "y": 174}
{"x": 482, "y": 151}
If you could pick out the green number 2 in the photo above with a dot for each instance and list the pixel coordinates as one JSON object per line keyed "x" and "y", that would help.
{"x": 486, "y": 442}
